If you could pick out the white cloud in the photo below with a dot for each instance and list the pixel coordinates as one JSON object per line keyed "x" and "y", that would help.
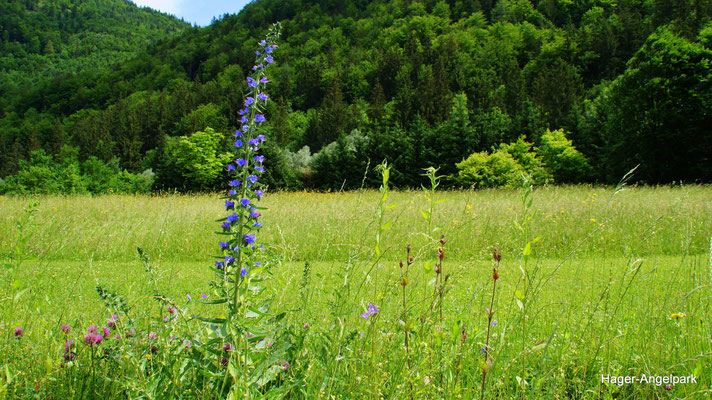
{"x": 167, "y": 6}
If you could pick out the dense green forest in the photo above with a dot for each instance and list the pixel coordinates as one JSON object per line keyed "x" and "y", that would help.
{"x": 569, "y": 91}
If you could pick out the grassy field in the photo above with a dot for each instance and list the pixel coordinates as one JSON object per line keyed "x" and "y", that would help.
{"x": 618, "y": 283}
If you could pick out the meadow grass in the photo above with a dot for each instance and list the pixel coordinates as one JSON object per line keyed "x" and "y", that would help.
{"x": 618, "y": 284}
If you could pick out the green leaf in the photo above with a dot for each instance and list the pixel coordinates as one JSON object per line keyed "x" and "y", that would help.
{"x": 211, "y": 320}
{"x": 527, "y": 249}
{"x": 425, "y": 214}
{"x": 520, "y": 305}
{"x": 518, "y": 293}
{"x": 387, "y": 225}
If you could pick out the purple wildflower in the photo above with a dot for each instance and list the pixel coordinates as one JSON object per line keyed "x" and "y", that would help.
{"x": 241, "y": 162}
{"x": 264, "y": 80}
{"x": 233, "y": 218}
{"x": 262, "y": 97}
{"x": 238, "y": 143}
{"x": 203, "y": 295}
{"x": 372, "y": 310}
{"x": 66, "y": 328}
{"x": 152, "y": 335}
{"x": 249, "y": 100}
{"x": 269, "y": 59}
{"x": 227, "y": 347}
{"x": 249, "y": 239}
{"x": 235, "y": 183}
{"x": 268, "y": 49}
{"x": 188, "y": 296}
{"x": 252, "y": 178}
{"x": 226, "y": 226}
{"x": 258, "y": 159}
{"x": 245, "y": 202}
{"x": 243, "y": 272}
{"x": 224, "y": 246}
{"x": 106, "y": 331}
{"x": 230, "y": 167}
{"x": 229, "y": 205}
{"x": 19, "y": 331}
{"x": 259, "y": 118}
{"x": 251, "y": 82}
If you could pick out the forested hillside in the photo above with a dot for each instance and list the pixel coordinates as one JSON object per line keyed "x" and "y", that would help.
{"x": 567, "y": 91}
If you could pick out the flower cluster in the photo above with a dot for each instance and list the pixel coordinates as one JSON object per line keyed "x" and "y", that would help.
{"x": 243, "y": 220}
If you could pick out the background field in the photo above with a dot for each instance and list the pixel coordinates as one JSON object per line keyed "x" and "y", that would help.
{"x": 606, "y": 279}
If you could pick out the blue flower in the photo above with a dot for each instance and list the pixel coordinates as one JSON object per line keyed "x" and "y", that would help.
{"x": 245, "y": 128}
{"x": 244, "y": 120}
{"x": 235, "y": 183}
{"x": 245, "y": 202}
{"x": 224, "y": 245}
{"x": 243, "y": 272}
{"x": 257, "y": 224}
{"x": 262, "y": 97}
{"x": 268, "y": 49}
{"x": 229, "y": 205}
{"x": 261, "y": 138}
{"x": 251, "y": 82}
{"x": 259, "y": 193}
{"x": 255, "y": 215}
{"x": 259, "y": 159}
{"x": 226, "y": 226}
{"x": 238, "y": 143}
{"x": 259, "y": 169}
{"x": 237, "y": 133}
{"x": 252, "y": 178}
{"x": 259, "y": 118}
{"x": 249, "y": 100}
{"x": 253, "y": 142}
{"x": 249, "y": 239}
{"x": 264, "y": 80}
{"x": 219, "y": 264}
{"x": 230, "y": 167}
{"x": 269, "y": 59}
{"x": 258, "y": 66}
{"x": 241, "y": 162}
{"x": 229, "y": 260}
{"x": 231, "y": 192}
{"x": 257, "y": 52}
{"x": 232, "y": 218}
{"x": 263, "y": 42}
{"x": 244, "y": 111}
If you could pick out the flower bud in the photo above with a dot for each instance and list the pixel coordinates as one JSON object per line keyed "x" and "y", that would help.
{"x": 495, "y": 273}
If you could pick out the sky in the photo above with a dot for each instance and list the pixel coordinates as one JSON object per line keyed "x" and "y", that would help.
{"x": 200, "y": 12}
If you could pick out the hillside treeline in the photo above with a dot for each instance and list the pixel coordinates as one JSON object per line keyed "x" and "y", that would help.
{"x": 607, "y": 84}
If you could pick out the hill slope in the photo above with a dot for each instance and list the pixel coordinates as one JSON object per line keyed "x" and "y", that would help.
{"x": 418, "y": 83}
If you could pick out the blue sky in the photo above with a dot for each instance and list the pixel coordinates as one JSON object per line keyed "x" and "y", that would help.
{"x": 200, "y": 12}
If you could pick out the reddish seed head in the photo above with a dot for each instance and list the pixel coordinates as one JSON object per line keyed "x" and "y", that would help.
{"x": 400, "y": 264}
{"x": 224, "y": 362}
{"x": 408, "y": 249}
{"x": 495, "y": 273}
{"x": 441, "y": 254}
{"x": 410, "y": 260}
{"x": 496, "y": 254}
{"x": 442, "y": 240}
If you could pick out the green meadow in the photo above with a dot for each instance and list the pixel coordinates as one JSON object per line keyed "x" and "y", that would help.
{"x": 591, "y": 281}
